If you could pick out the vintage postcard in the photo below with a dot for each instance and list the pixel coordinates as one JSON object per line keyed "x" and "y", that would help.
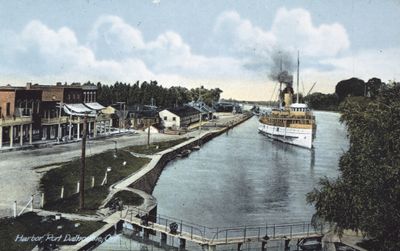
{"x": 199, "y": 125}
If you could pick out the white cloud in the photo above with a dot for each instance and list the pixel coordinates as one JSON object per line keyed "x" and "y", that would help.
{"x": 242, "y": 34}
{"x": 57, "y": 55}
{"x": 291, "y": 30}
{"x": 117, "y": 51}
{"x": 294, "y": 29}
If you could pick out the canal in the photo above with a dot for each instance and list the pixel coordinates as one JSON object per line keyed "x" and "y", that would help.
{"x": 244, "y": 178}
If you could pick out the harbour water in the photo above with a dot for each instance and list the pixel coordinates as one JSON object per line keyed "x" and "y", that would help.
{"x": 244, "y": 178}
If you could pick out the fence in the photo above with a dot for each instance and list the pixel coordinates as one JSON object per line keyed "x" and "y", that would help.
{"x": 224, "y": 235}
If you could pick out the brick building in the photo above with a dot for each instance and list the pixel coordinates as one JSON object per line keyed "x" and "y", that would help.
{"x": 19, "y": 115}
{"x": 49, "y": 112}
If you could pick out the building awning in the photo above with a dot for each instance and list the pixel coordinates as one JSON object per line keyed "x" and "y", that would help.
{"x": 94, "y": 106}
{"x": 78, "y": 110}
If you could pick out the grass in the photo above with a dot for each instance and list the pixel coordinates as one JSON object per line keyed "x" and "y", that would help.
{"x": 30, "y": 224}
{"x": 156, "y": 147}
{"x": 68, "y": 176}
{"x": 128, "y": 198}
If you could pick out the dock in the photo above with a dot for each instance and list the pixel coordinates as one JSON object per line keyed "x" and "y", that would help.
{"x": 210, "y": 238}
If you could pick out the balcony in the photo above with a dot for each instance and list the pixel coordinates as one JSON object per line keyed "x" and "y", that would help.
{"x": 12, "y": 121}
{"x": 54, "y": 121}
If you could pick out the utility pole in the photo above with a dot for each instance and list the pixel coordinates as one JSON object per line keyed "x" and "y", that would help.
{"x": 298, "y": 69}
{"x": 148, "y": 133}
{"x": 83, "y": 163}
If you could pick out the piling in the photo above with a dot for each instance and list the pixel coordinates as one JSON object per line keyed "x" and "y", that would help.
{"x": 163, "y": 239}
{"x": 182, "y": 243}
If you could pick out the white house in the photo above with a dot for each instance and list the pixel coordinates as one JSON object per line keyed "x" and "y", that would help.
{"x": 179, "y": 117}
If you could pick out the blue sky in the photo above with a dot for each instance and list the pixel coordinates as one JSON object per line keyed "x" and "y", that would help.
{"x": 226, "y": 44}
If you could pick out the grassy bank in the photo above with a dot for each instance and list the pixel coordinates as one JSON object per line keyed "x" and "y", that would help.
{"x": 29, "y": 224}
{"x": 156, "y": 147}
{"x": 68, "y": 176}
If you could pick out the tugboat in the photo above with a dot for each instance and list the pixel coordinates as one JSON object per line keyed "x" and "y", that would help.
{"x": 291, "y": 123}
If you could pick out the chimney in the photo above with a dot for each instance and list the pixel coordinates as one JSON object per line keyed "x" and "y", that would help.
{"x": 28, "y": 85}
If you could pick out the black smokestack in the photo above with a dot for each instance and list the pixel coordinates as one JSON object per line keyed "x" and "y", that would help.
{"x": 281, "y": 68}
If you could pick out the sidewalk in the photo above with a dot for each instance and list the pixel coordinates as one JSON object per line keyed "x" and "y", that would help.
{"x": 50, "y": 143}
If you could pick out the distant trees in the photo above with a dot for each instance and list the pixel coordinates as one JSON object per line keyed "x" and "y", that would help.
{"x": 146, "y": 92}
{"x": 366, "y": 195}
{"x": 321, "y": 101}
{"x": 352, "y": 87}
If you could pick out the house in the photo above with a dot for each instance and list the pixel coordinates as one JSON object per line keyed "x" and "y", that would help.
{"x": 179, "y": 117}
{"x": 227, "y": 107}
{"x": 136, "y": 116}
{"x": 206, "y": 111}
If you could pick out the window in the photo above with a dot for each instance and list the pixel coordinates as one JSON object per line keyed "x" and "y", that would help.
{"x": 8, "y": 109}
{"x": 165, "y": 118}
{"x": 173, "y": 118}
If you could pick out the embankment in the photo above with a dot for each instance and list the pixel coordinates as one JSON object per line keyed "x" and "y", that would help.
{"x": 148, "y": 180}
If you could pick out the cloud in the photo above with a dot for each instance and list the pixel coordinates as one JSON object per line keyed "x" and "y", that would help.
{"x": 115, "y": 50}
{"x": 291, "y": 30}
{"x": 40, "y": 52}
{"x": 294, "y": 29}
{"x": 111, "y": 37}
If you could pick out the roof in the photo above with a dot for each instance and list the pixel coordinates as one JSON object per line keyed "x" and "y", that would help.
{"x": 183, "y": 111}
{"x": 94, "y": 106}
{"x": 201, "y": 106}
{"x": 78, "y": 110}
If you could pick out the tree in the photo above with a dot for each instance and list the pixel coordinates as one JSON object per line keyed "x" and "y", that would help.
{"x": 366, "y": 196}
{"x": 350, "y": 87}
{"x": 374, "y": 85}
{"x": 321, "y": 101}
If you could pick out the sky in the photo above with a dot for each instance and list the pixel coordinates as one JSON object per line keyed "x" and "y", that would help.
{"x": 229, "y": 44}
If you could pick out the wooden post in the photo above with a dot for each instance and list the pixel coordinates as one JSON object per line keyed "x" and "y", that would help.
{"x": 11, "y": 135}
{"x": 1, "y": 136}
{"x": 62, "y": 192}
{"x": 15, "y": 209}
{"x": 21, "y": 135}
{"x": 32, "y": 203}
{"x": 83, "y": 162}
{"x": 30, "y": 134}
{"x": 148, "y": 135}
{"x": 42, "y": 201}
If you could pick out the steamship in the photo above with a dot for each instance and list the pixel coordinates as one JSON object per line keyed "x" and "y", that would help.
{"x": 291, "y": 123}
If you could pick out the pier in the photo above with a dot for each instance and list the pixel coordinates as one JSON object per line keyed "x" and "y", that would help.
{"x": 210, "y": 238}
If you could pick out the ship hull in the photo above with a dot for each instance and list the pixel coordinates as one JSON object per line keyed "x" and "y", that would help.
{"x": 293, "y": 136}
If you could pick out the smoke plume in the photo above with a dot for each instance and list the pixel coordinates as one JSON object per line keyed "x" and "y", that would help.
{"x": 282, "y": 66}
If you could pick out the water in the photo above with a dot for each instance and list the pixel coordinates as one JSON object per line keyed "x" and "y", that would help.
{"x": 244, "y": 178}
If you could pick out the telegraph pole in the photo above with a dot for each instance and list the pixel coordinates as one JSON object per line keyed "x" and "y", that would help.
{"x": 148, "y": 133}
{"x": 83, "y": 163}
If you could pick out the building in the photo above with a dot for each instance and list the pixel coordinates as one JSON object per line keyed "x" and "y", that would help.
{"x": 206, "y": 111}
{"x": 20, "y": 110}
{"x": 141, "y": 116}
{"x": 50, "y": 112}
{"x": 179, "y": 117}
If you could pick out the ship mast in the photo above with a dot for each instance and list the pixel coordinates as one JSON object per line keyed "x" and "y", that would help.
{"x": 298, "y": 67}
{"x": 280, "y": 84}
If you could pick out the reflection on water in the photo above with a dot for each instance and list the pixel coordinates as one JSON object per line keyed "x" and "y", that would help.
{"x": 243, "y": 178}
